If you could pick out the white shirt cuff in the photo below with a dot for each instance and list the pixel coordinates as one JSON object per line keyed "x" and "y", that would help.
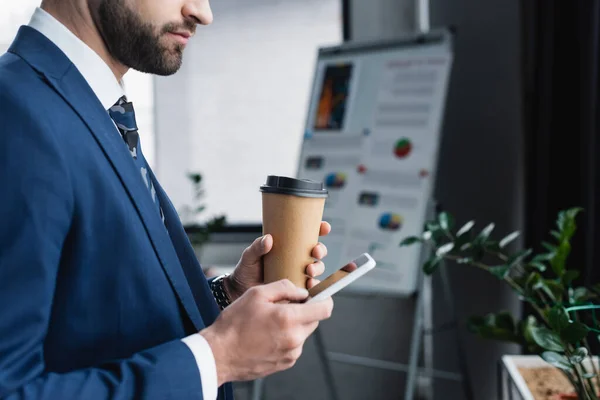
{"x": 206, "y": 364}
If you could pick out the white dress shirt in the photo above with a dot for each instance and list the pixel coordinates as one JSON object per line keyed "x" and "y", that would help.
{"x": 109, "y": 90}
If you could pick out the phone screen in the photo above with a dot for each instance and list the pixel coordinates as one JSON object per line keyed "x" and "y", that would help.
{"x": 338, "y": 275}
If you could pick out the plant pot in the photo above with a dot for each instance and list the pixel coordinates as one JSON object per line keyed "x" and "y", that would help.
{"x": 531, "y": 378}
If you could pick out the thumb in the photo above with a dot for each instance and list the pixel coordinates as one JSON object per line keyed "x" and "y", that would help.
{"x": 283, "y": 290}
{"x": 257, "y": 249}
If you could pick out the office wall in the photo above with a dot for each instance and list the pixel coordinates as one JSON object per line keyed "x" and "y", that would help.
{"x": 480, "y": 177}
{"x": 481, "y": 166}
{"x": 372, "y": 20}
{"x": 236, "y": 110}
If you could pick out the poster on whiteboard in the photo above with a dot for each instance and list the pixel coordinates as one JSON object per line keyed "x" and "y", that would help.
{"x": 372, "y": 136}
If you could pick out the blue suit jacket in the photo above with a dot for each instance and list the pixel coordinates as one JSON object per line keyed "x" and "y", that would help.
{"x": 95, "y": 292}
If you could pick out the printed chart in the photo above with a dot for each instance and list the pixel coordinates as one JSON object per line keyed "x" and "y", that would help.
{"x": 372, "y": 136}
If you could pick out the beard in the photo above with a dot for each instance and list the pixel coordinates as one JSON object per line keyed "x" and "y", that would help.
{"x": 135, "y": 43}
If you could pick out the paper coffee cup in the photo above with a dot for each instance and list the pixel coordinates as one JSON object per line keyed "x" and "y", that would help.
{"x": 292, "y": 214}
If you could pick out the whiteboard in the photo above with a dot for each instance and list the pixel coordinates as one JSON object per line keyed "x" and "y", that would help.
{"x": 372, "y": 134}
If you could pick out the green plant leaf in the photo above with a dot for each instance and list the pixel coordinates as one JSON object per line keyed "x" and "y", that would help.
{"x": 525, "y": 327}
{"x": 216, "y": 223}
{"x": 494, "y": 327}
{"x": 445, "y": 249}
{"x": 509, "y": 238}
{"x": 574, "y": 332}
{"x": 464, "y": 260}
{"x": 558, "y": 318}
{"x": 431, "y": 265}
{"x": 427, "y": 235}
{"x": 546, "y": 339}
{"x": 543, "y": 257}
{"x": 560, "y": 219}
{"x": 553, "y": 289}
{"x": 432, "y": 226}
{"x": 566, "y": 222}
{"x": 492, "y": 245}
{"x": 500, "y": 271}
{"x": 465, "y": 228}
{"x": 537, "y": 266}
{"x": 589, "y": 375}
{"x": 557, "y": 360}
{"x": 504, "y": 320}
{"x": 495, "y": 333}
{"x": 572, "y": 212}
{"x": 550, "y": 247}
{"x": 410, "y": 240}
{"x": 485, "y": 233}
{"x": 578, "y": 355}
{"x": 569, "y": 276}
{"x": 446, "y": 221}
{"x": 466, "y": 246}
{"x": 519, "y": 257}
{"x": 582, "y": 295}
{"x": 195, "y": 177}
{"x": 558, "y": 262}
{"x": 459, "y": 241}
{"x": 437, "y": 233}
{"x": 532, "y": 282}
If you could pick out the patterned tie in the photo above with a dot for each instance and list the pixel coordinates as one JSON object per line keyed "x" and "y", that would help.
{"x": 123, "y": 114}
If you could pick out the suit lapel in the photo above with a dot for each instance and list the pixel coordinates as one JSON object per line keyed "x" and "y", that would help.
{"x": 48, "y": 60}
{"x": 193, "y": 270}
{"x": 191, "y": 266}
{"x": 189, "y": 262}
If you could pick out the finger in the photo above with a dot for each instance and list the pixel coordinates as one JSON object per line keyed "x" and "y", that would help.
{"x": 311, "y": 283}
{"x": 319, "y": 251}
{"x": 282, "y": 290}
{"x": 257, "y": 249}
{"x": 315, "y": 269}
{"x": 313, "y": 312}
{"x": 325, "y": 228}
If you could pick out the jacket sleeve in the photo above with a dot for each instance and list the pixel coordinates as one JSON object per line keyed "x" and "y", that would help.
{"x": 36, "y": 208}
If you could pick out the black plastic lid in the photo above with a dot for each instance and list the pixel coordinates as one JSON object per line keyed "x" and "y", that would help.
{"x": 295, "y": 187}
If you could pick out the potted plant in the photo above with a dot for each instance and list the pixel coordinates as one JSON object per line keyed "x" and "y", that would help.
{"x": 198, "y": 233}
{"x": 562, "y": 321}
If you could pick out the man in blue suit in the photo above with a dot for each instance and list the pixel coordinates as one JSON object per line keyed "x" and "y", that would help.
{"x": 101, "y": 296}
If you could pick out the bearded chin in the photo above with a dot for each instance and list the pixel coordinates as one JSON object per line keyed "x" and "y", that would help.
{"x": 135, "y": 43}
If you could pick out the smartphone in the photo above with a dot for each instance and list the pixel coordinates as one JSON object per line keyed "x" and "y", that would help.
{"x": 341, "y": 278}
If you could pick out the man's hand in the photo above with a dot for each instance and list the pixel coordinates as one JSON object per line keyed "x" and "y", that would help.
{"x": 249, "y": 271}
{"x": 263, "y": 333}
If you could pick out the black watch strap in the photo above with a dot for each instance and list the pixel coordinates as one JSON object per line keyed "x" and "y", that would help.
{"x": 217, "y": 286}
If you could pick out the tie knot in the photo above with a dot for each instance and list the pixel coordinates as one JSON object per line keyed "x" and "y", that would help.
{"x": 124, "y": 115}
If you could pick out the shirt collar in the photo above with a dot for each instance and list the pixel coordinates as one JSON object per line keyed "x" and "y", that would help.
{"x": 93, "y": 68}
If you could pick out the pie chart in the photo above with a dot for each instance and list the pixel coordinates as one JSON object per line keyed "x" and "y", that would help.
{"x": 335, "y": 180}
{"x": 390, "y": 222}
{"x": 403, "y": 148}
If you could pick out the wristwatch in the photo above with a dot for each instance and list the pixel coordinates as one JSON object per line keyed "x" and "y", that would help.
{"x": 217, "y": 286}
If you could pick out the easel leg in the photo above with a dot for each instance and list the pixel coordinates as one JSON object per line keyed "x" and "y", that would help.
{"x": 415, "y": 345}
{"x": 322, "y": 352}
{"x": 257, "y": 389}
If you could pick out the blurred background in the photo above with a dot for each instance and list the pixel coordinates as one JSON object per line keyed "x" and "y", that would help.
{"x": 519, "y": 143}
